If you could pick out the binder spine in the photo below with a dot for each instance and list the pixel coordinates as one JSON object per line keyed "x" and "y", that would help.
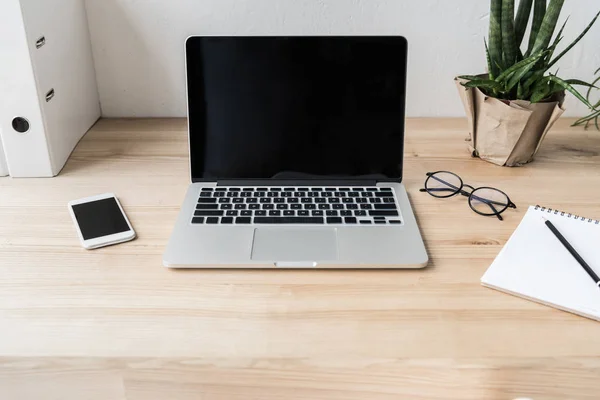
{"x": 568, "y": 215}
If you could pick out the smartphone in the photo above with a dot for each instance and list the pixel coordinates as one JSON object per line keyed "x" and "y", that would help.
{"x": 100, "y": 221}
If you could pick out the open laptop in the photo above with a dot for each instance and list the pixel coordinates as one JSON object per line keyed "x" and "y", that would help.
{"x": 296, "y": 152}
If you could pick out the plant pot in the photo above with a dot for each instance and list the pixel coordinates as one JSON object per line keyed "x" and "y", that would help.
{"x": 507, "y": 133}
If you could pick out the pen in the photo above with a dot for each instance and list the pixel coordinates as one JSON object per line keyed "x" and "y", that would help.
{"x": 574, "y": 253}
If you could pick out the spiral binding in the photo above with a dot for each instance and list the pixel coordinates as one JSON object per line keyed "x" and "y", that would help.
{"x": 568, "y": 215}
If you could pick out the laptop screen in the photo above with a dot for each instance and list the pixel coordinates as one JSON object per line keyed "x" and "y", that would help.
{"x": 296, "y": 107}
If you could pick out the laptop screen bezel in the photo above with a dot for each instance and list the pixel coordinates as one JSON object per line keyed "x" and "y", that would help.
{"x": 196, "y": 125}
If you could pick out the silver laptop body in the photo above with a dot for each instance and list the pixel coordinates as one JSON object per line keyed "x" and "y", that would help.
{"x": 296, "y": 148}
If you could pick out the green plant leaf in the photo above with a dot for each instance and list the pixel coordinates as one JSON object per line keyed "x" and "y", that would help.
{"x": 540, "y": 91}
{"x": 522, "y": 19}
{"x": 483, "y": 83}
{"x": 570, "y": 89}
{"x": 520, "y": 92}
{"x": 580, "y": 83}
{"x": 585, "y": 31}
{"x": 509, "y": 41}
{"x": 539, "y": 11}
{"x": 521, "y": 64}
{"x": 548, "y": 25}
{"x": 469, "y": 77}
{"x": 495, "y": 36}
{"x": 557, "y": 40}
{"x": 489, "y": 61}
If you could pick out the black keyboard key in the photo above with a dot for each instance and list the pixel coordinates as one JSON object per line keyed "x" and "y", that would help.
{"x": 293, "y": 200}
{"x": 254, "y": 206}
{"x": 273, "y": 194}
{"x": 347, "y": 200}
{"x": 307, "y": 200}
{"x": 360, "y": 213}
{"x": 282, "y": 206}
{"x": 388, "y": 200}
{"x": 262, "y": 189}
{"x": 354, "y": 194}
{"x": 238, "y": 200}
{"x": 358, "y": 189}
{"x": 260, "y": 194}
{"x": 235, "y": 189}
{"x": 340, "y": 194}
{"x": 346, "y": 213}
{"x": 383, "y": 213}
{"x": 376, "y": 200}
{"x": 231, "y": 213}
{"x": 352, "y": 206}
{"x": 275, "y": 189}
{"x": 313, "y": 194}
{"x": 248, "y": 189}
{"x": 246, "y": 213}
{"x": 380, "y": 221}
{"x": 366, "y": 207}
{"x": 226, "y": 206}
{"x": 385, "y": 206}
{"x": 344, "y": 189}
{"x": 227, "y": 220}
{"x": 260, "y": 213}
{"x": 327, "y": 194}
{"x": 252, "y": 200}
{"x": 331, "y": 213}
{"x": 310, "y": 206}
{"x": 385, "y": 194}
{"x": 296, "y": 206}
{"x": 361, "y": 200}
{"x": 303, "y": 213}
{"x": 274, "y": 213}
{"x": 289, "y": 189}
{"x": 288, "y": 213}
{"x": 279, "y": 200}
{"x": 207, "y": 189}
{"x": 207, "y": 206}
{"x": 366, "y": 222}
{"x": 338, "y": 206}
{"x": 317, "y": 213}
{"x": 198, "y": 220}
{"x": 268, "y": 206}
{"x": 386, "y": 189}
{"x": 288, "y": 220}
{"x": 316, "y": 189}
{"x": 265, "y": 200}
{"x": 367, "y": 194}
{"x": 219, "y": 194}
{"x": 334, "y": 200}
{"x": 334, "y": 220}
{"x": 246, "y": 194}
{"x": 207, "y": 201}
{"x": 206, "y": 194}
{"x": 224, "y": 200}
{"x": 212, "y": 220}
{"x": 320, "y": 200}
{"x": 350, "y": 220}
{"x": 330, "y": 189}
{"x": 300, "y": 194}
{"x": 232, "y": 194}
{"x": 243, "y": 220}
{"x": 220, "y": 189}
{"x": 324, "y": 207}
{"x": 395, "y": 221}
{"x": 208, "y": 213}
{"x": 239, "y": 207}
{"x": 286, "y": 194}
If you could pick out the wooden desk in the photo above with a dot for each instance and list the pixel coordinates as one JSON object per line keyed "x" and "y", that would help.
{"x": 113, "y": 324}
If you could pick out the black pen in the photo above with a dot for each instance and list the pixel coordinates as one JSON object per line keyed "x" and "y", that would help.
{"x": 574, "y": 253}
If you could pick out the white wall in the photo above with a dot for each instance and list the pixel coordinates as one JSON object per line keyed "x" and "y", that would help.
{"x": 138, "y": 44}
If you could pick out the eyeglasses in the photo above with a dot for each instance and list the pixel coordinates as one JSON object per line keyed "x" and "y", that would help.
{"x": 484, "y": 200}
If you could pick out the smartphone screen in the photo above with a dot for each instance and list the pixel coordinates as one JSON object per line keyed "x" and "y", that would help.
{"x": 100, "y": 218}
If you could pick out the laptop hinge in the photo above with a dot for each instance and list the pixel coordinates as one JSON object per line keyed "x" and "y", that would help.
{"x": 297, "y": 182}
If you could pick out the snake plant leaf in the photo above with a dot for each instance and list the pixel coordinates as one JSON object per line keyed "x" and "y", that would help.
{"x": 522, "y": 19}
{"x": 557, "y": 40}
{"x": 585, "y": 31}
{"x": 539, "y": 11}
{"x": 489, "y": 61}
{"x": 548, "y": 25}
{"x": 570, "y": 89}
{"x": 541, "y": 91}
{"x": 509, "y": 41}
{"x": 483, "y": 83}
{"x": 524, "y": 63}
{"x": 469, "y": 77}
{"x": 581, "y": 83}
{"x": 496, "y": 36}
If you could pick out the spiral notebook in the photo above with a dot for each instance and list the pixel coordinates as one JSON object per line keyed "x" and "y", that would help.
{"x": 535, "y": 265}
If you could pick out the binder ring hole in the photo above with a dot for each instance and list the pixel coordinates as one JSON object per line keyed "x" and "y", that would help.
{"x": 20, "y": 125}
{"x": 40, "y": 42}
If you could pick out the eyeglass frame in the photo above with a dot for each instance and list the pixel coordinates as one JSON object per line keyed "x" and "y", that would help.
{"x": 469, "y": 195}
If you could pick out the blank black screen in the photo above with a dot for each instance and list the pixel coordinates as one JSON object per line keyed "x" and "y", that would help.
{"x": 296, "y": 107}
{"x": 100, "y": 218}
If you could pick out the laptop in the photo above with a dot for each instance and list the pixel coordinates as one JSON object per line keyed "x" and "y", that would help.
{"x": 296, "y": 155}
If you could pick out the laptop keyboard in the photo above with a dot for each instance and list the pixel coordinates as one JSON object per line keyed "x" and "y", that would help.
{"x": 297, "y": 205}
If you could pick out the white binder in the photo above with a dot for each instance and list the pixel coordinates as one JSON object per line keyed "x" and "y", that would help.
{"x": 48, "y": 91}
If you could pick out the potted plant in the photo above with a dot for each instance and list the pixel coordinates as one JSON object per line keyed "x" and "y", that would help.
{"x": 511, "y": 107}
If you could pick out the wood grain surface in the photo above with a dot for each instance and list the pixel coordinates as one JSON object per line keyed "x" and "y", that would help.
{"x": 113, "y": 324}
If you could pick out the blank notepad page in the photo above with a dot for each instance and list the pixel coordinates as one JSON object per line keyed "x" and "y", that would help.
{"x": 536, "y": 266}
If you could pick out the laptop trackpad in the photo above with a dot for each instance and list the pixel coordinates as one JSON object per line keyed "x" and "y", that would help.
{"x": 294, "y": 244}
